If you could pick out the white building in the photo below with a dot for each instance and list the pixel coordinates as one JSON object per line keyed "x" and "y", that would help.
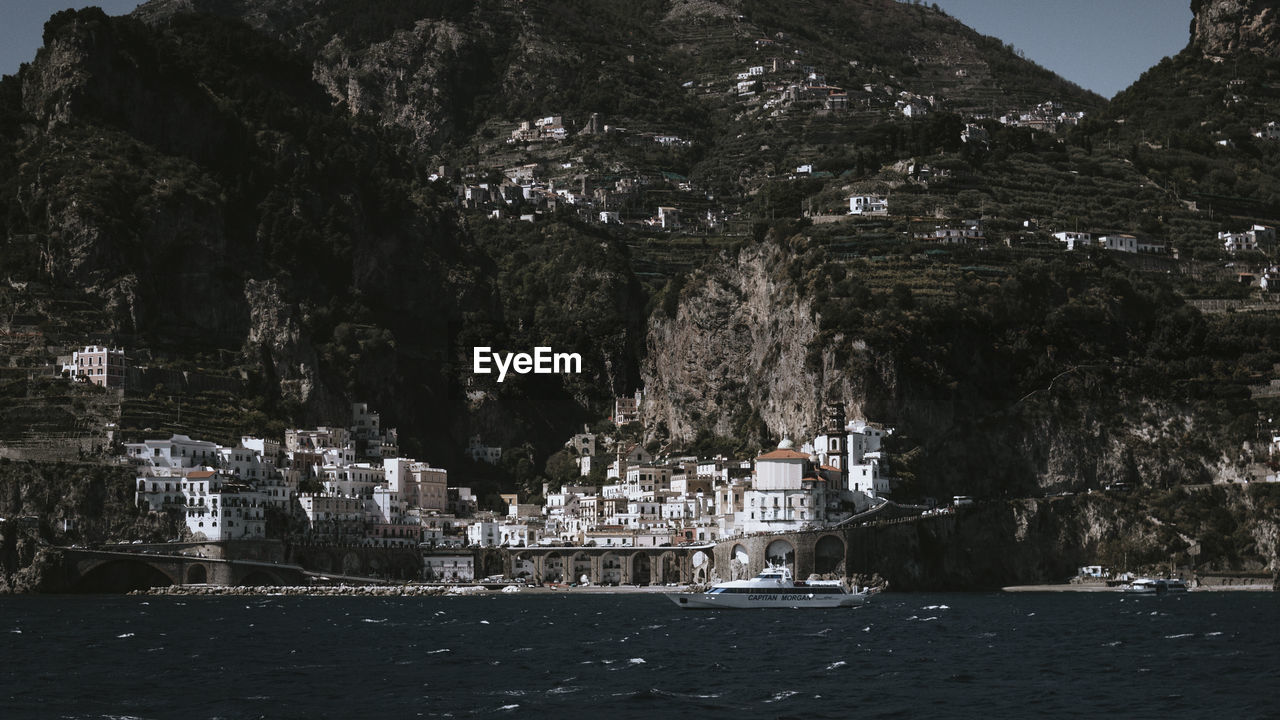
{"x": 868, "y": 205}
{"x": 1119, "y": 242}
{"x": 1252, "y": 239}
{"x": 484, "y": 533}
{"x": 642, "y": 481}
{"x": 1074, "y": 240}
{"x": 783, "y": 497}
{"x": 215, "y": 506}
{"x": 179, "y": 451}
{"x": 1270, "y": 131}
{"x": 445, "y": 566}
{"x": 333, "y": 518}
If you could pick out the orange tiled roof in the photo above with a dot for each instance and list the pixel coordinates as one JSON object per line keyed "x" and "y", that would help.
{"x": 783, "y": 455}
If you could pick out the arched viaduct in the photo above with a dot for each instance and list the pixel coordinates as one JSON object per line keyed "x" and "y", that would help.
{"x": 85, "y": 570}
{"x": 838, "y": 552}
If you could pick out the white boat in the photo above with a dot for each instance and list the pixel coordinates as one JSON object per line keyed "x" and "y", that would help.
{"x": 773, "y": 588}
{"x": 1155, "y": 586}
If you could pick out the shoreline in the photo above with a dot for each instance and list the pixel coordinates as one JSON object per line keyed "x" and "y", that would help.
{"x": 1070, "y": 587}
{"x": 463, "y": 590}
{"x": 459, "y": 590}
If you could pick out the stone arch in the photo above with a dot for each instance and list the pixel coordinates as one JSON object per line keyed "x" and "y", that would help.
{"x": 197, "y": 575}
{"x": 670, "y": 569}
{"x": 122, "y": 576}
{"x": 641, "y": 569}
{"x": 828, "y": 555}
{"x": 700, "y": 563}
{"x": 490, "y": 564}
{"x": 522, "y": 566}
{"x": 581, "y": 567}
{"x": 553, "y": 569}
{"x": 610, "y": 569}
{"x": 739, "y": 562}
{"x": 781, "y": 553}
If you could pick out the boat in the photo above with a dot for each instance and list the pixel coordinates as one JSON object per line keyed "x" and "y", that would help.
{"x": 1155, "y": 586}
{"x": 772, "y": 588}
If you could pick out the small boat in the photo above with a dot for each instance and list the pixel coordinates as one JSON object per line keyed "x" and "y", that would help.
{"x": 1155, "y": 586}
{"x": 773, "y": 588}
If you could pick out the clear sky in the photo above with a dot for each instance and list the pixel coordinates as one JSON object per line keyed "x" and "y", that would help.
{"x": 22, "y": 22}
{"x": 1103, "y": 45}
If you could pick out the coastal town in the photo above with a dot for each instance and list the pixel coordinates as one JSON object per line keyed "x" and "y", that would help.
{"x": 350, "y": 485}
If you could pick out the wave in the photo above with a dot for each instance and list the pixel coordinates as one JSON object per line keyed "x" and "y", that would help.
{"x": 780, "y": 696}
{"x": 836, "y": 664}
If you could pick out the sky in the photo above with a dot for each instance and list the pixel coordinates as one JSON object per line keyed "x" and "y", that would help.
{"x": 1102, "y": 45}
{"x": 22, "y": 22}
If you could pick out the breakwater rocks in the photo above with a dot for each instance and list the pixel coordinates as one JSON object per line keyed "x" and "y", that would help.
{"x": 327, "y": 590}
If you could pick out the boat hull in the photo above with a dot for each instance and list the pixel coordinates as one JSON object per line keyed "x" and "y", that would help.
{"x": 766, "y": 599}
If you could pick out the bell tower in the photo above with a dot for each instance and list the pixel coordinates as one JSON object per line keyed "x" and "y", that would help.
{"x": 833, "y": 427}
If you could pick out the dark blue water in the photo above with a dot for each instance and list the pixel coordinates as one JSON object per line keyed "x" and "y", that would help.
{"x": 638, "y": 656}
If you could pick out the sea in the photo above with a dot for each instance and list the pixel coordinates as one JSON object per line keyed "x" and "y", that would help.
{"x": 567, "y": 655}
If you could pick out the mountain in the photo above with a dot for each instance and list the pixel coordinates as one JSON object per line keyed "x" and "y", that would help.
{"x": 288, "y": 206}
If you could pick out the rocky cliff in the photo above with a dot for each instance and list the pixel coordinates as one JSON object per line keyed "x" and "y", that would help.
{"x": 732, "y": 357}
{"x": 991, "y": 545}
{"x": 66, "y": 503}
{"x": 1221, "y": 28}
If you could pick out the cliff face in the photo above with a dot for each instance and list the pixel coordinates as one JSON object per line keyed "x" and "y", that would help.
{"x": 195, "y": 201}
{"x": 735, "y": 359}
{"x": 1228, "y": 529}
{"x": 1226, "y": 27}
{"x": 63, "y": 504}
{"x": 741, "y": 352}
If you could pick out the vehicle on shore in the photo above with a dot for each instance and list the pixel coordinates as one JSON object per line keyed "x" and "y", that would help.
{"x": 773, "y": 588}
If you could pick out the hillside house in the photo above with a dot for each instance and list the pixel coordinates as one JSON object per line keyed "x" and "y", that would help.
{"x": 868, "y": 205}
{"x": 101, "y": 366}
{"x": 970, "y": 230}
{"x": 626, "y": 409}
{"x": 1270, "y": 131}
{"x": 975, "y": 134}
{"x": 1074, "y": 240}
{"x": 1153, "y": 247}
{"x": 1254, "y": 238}
{"x": 1119, "y": 242}
{"x": 479, "y": 452}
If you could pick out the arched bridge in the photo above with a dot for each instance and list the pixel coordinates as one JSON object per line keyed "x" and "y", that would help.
{"x": 125, "y": 568}
{"x": 835, "y": 551}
